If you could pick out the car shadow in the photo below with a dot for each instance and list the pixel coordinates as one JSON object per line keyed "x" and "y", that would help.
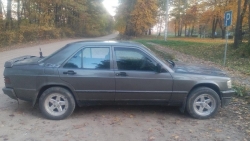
{"x": 134, "y": 110}
{"x": 101, "y": 110}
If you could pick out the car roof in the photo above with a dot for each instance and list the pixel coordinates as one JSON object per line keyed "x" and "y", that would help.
{"x": 59, "y": 56}
{"x": 110, "y": 43}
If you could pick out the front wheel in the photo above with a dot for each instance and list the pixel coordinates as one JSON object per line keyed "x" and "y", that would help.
{"x": 56, "y": 103}
{"x": 203, "y": 103}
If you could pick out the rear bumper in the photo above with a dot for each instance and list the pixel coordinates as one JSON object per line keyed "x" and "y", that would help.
{"x": 226, "y": 97}
{"x": 10, "y": 92}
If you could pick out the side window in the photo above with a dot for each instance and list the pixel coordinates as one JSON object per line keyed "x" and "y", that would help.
{"x": 133, "y": 59}
{"x": 96, "y": 58}
{"x": 75, "y": 61}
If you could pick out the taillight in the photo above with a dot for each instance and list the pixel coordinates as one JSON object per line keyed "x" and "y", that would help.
{"x": 6, "y": 80}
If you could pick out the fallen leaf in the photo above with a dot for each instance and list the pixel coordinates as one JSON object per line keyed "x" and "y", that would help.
{"x": 176, "y": 137}
{"x": 11, "y": 115}
{"x": 79, "y": 126}
{"x": 218, "y": 130}
{"x": 151, "y": 138}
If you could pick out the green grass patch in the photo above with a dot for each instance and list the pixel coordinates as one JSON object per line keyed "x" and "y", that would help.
{"x": 209, "y": 50}
{"x": 161, "y": 54}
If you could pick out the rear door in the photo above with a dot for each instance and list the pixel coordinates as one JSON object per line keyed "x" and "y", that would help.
{"x": 137, "y": 78}
{"x": 91, "y": 74}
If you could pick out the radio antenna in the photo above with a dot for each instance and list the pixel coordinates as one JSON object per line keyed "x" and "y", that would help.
{"x": 41, "y": 54}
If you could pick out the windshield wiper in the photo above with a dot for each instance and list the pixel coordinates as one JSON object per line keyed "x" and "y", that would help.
{"x": 171, "y": 62}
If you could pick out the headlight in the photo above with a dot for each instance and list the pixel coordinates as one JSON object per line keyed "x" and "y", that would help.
{"x": 229, "y": 84}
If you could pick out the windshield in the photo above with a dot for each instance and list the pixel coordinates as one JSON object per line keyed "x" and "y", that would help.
{"x": 46, "y": 57}
{"x": 160, "y": 57}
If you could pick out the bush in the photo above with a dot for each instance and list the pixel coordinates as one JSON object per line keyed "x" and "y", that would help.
{"x": 33, "y": 33}
{"x": 240, "y": 90}
{"x": 66, "y": 32}
{"x": 92, "y": 33}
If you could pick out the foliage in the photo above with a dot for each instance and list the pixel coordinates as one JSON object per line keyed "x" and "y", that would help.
{"x": 164, "y": 55}
{"x": 135, "y": 17}
{"x": 240, "y": 90}
{"x": 32, "y": 33}
{"x": 28, "y": 20}
{"x": 206, "y": 17}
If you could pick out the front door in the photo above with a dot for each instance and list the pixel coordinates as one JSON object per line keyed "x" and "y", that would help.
{"x": 137, "y": 77}
{"x": 90, "y": 73}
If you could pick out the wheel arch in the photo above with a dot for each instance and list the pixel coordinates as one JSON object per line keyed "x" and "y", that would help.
{"x": 208, "y": 85}
{"x": 43, "y": 88}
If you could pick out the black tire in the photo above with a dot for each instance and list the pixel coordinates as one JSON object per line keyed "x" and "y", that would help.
{"x": 203, "y": 103}
{"x": 56, "y": 103}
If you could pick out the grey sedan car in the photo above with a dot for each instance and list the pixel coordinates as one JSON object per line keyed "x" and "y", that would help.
{"x": 112, "y": 72}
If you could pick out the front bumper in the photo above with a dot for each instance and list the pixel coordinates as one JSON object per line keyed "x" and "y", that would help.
{"x": 226, "y": 97}
{"x": 10, "y": 92}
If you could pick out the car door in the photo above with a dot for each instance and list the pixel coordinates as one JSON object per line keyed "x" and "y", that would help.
{"x": 137, "y": 77}
{"x": 91, "y": 74}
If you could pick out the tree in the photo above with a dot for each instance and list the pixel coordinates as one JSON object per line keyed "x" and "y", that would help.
{"x": 136, "y": 17}
{"x": 8, "y": 16}
{"x": 1, "y": 10}
{"x": 249, "y": 22}
{"x": 28, "y": 20}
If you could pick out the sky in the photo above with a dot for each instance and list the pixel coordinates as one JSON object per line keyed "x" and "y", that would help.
{"x": 110, "y": 5}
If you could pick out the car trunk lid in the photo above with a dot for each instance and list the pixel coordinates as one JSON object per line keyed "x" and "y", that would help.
{"x": 23, "y": 60}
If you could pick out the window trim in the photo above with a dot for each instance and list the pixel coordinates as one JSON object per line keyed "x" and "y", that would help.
{"x": 81, "y": 49}
{"x": 135, "y": 48}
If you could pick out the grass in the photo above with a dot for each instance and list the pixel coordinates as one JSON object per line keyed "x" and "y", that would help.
{"x": 161, "y": 54}
{"x": 208, "y": 49}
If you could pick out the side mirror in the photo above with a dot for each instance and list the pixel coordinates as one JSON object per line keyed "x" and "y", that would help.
{"x": 158, "y": 68}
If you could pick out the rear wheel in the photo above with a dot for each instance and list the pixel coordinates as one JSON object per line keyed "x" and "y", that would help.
{"x": 56, "y": 103}
{"x": 203, "y": 103}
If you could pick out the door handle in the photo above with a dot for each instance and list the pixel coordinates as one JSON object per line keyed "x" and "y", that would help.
{"x": 121, "y": 74}
{"x": 70, "y": 72}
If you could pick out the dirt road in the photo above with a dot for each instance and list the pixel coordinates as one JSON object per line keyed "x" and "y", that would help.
{"x": 113, "y": 123}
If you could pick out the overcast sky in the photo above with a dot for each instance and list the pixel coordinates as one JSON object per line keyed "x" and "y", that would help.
{"x": 110, "y": 5}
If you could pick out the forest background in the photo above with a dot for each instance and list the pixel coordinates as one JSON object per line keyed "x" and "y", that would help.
{"x": 29, "y": 20}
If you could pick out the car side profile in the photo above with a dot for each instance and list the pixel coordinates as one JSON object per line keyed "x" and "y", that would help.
{"x": 114, "y": 72}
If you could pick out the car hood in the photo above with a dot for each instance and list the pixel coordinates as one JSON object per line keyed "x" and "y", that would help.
{"x": 23, "y": 60}
{"x": 197, "y": 69}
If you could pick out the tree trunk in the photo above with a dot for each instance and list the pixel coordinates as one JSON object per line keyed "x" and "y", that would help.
{"x": 249, "y": 23}
{"x": 214, "y": 26}
{"x": 179, "y": 27}
{"x": 189, "y": 30}
{"x": 241, "y": 20}
{"x": 56, "y": 15}
{"x": 236, "y": 38}
{"x": 223, "y": 33}
{"x": 185, "y": 27}
{"x": 23, "y": 10}
{"x": 18, "y": 14}
{"x": 181, "y": 30}
{"x": 175, "y": 28}
{"x": 1, "y": 10}
{"x": 160, "y": 27}
{"x": 192, "y": 31}
{"x": 8, "y": 16}
{"x": 223, "y": 28}
{"x": 149, "y": 32}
